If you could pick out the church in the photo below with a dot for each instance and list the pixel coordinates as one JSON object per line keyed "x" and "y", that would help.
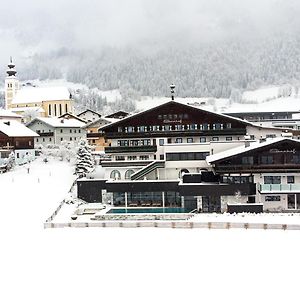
{"x": 30, "y": 101}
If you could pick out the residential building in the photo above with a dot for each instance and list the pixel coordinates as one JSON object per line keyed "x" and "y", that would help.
{"x": 89, "y": 115}
{"x": 95, "y": 136}
{"x": 55, "y": 131}
{"x": 16, "y": 137}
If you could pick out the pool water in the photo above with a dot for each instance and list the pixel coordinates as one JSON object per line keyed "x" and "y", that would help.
{"x": 151, "y": 210}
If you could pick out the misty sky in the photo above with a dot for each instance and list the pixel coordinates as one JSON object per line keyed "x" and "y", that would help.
{"x": 39, "y": 26}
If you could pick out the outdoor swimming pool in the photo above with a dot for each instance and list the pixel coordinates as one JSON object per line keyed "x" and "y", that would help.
{"x": 150, "y": 210}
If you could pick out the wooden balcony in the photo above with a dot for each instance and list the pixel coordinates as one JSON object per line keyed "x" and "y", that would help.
{"x": 130, "y": 149}
{"x": 256, "y": 168}
{"x": 46, "y": 133}
{"x": 171, "y": 133}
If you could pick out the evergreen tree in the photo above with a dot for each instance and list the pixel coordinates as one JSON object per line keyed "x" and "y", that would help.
{"x": 84, "y": 159}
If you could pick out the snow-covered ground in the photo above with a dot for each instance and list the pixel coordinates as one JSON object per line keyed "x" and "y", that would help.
{"x": 137, "y": 263}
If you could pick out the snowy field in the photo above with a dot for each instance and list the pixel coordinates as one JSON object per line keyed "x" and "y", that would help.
{"x": 141, "y": 263}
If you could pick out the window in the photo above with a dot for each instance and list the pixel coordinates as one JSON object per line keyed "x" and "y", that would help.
{"x": 131, "y": 157}
{"x": 37, "y": 140}
{"x": 128, "y": 174}
{"x": 203, "y": 140}
{"x": 60, "y": 109}
{"x": 43, "y": 139}
{"x": 61, "y": 131}
{"x": 178, "y": 140}
{"x": 272, "y": 198}
{"x": 190, "y": 140}
{"x": 228, "y": 138}
{"x": 215, "y": 138}
{"x": 119, "y": 129}
{"x": 120, "y": 157}
{"x": 290, "y": 179}
{"x": 144, "y": 157}
{"x": 79, "y": 131}
{"x": 115, "y": 174}
{"x": 70, "y": 130}
{"x": 193, "y": 127}
{"x": 186, "y": 156}
{"x": 49, "y": 109}
{"x": 29, "y": 143}
{"x": 161, "y": 157}
{"x": 50, "y": 139}
{"x": 272, "y": 179}
{"x": 267, "y": 159}
{"x": 61, "y": 139}
{"x": 161, "y": 142}
{"x": 71, "y": 138}
{"x": 247, "y": 160}
{"x": 66, "y": 107}
{"x": 228, "y": 125}
{"x": 55, "y": 110}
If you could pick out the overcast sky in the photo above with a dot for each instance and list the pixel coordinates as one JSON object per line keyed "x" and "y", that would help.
{"x": 33, "y": 26}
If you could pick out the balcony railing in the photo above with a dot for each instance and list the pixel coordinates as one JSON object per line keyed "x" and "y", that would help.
{"x": 256, "y": 168}
{"x": 278, "y": 188}
{"x": 210, "y": 132}
{"x": 45, "y": 133}
{"x": 130, "y": 149}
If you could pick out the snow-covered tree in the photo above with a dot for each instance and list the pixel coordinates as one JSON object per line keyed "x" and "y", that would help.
{"x": 84, "y": 159}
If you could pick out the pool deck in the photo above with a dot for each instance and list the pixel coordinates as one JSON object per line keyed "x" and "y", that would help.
{"x": 72, "y": 215}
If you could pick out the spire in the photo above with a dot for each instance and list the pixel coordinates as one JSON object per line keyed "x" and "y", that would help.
{"x": 11, "y": 68}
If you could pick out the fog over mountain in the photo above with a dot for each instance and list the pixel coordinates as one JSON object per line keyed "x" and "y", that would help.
{"x": 206, "y": 47}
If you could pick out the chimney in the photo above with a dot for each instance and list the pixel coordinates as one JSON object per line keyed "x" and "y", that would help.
{"x": 172, "y": 87}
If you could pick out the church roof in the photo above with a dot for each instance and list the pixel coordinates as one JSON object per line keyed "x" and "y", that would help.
{"x": 37, "y": 94}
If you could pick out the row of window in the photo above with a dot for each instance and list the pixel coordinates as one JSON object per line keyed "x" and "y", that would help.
{"x": 115, "y": 174}
{"x": 277, "y": 179}
{"x": 57, "y": 108}
{"x": 186, "y": 156}
{"x": 147, "y": 142}
{"x": 271, "y": 159}
{"x": 180, "y": 127}
{"x": 50, "y": 139}
{"x": 132, "y": 157}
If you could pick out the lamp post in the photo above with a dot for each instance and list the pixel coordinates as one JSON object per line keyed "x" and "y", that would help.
{"x": 172, "y": 87}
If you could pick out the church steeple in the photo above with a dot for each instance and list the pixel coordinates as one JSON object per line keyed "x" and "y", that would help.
{"x": 11, "y": 69}
{"x": 11, "y": 84}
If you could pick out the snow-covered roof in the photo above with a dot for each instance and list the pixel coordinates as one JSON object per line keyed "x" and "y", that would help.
{"x": 38, "y": 94}
{"x": 23, "y": 109}
{"x": 56, "y": 122}
{"x": 8, "y": 114}
{"x": 187, "y": 105}
{"x": 16, "y": 129}
{"x": 244, "y": 149}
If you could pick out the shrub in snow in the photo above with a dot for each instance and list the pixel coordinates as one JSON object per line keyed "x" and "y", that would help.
{"x": 11, "y": 161}
{"x": 84, "y": 159}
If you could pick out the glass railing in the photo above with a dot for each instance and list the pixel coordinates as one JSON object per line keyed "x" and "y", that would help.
{"x": 279, "y": 187}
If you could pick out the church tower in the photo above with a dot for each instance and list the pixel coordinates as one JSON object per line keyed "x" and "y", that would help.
{"x": 11, "y": 84}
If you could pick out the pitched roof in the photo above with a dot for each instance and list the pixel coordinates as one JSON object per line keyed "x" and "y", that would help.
{"x": 183, "y": 105}
{"x": 16, "y": 129}
{"x": 244, "y": 149}
{"x": 91, "y": 124}
{"x": 72, "y": 116}
{"x": 38, "y": 94}
{"x": 9, "y": 114}
{"x": 58, "y": 123}
{"x": 92, "y": 111}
